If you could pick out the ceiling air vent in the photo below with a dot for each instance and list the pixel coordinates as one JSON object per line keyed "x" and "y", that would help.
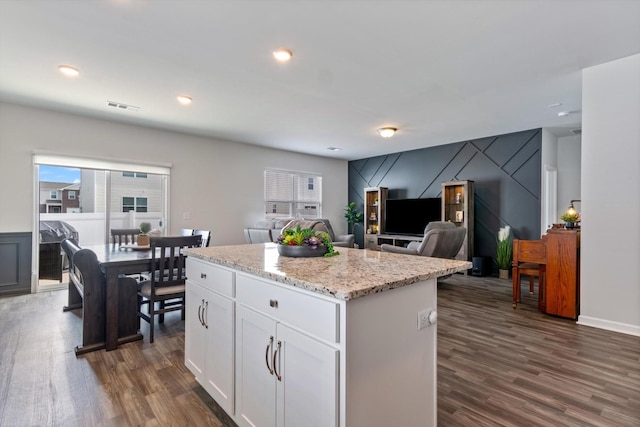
{"x": 576, "y": 131}
{"x": 121, "y": 106}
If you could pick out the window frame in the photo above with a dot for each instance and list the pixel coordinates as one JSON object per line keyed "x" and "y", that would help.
{"x": 290, "y": 194}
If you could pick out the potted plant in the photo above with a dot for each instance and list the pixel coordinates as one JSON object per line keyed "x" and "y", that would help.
{"x": 504, "y": 252}
{"x": 570, "y": 220}
{"x": 305, "y": 242}
{"x": 353, "y": 216}
{"x": 143, "y": 237}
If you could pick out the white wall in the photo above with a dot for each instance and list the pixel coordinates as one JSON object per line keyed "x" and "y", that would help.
{"x": 548, "y": 192}
{"x": 218, "y": 184}
{"x": 569, "y": 185}
{"x": 610, "y": 264}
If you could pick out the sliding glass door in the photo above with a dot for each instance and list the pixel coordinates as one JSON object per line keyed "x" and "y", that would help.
{"x": 85, "y": 203}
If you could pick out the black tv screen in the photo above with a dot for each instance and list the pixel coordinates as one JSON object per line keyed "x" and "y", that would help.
{"x": 411, "y": 216}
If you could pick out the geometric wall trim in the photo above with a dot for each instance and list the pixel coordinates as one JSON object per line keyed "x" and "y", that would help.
{"x": 506, "y": 170}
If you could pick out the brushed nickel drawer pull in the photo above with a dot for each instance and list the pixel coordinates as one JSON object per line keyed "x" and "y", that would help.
{"x": 266, "y": 355}
{"x": 203, "y": 275}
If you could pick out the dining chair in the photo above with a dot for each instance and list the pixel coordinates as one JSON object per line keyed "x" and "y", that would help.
{"x": 124, "y": 236}
{"x": 166, "y": 286}
{"x": 186, "y": 232}
{"x": 529, "y": 258}
{"x": 206, "y": 235}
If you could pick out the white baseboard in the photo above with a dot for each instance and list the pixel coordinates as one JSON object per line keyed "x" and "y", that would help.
{"x": 623, "y": 328}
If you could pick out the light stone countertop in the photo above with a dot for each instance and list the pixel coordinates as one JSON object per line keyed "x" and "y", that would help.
{"x": 353, "y": 274}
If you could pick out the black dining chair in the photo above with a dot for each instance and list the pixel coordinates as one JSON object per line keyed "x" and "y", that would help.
{"x": 205, "y": 234}
{"x": 124, "y": 236}
{"x": 165, "y": 286}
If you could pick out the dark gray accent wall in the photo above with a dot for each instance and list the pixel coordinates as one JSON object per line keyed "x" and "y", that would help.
{"x": 15, "y": 263}
{"x": 506, "y": 170}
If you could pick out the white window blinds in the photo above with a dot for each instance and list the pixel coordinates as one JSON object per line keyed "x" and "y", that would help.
{"x": 292, "y": 194}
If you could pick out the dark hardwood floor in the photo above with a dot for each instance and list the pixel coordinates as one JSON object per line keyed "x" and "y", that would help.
{"x": 496, "y": 367}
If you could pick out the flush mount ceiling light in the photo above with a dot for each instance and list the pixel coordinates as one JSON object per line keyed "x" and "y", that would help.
{"x": 69, "y": 71}
{"x": 564, "y": 113}
{"x": 282, "y": 55}
{"x": 387, "y": 132}
{"x": 334, "y": 148}
{"x": 184, "y": 100}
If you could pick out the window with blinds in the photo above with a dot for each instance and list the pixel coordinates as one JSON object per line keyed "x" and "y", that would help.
{"x": 292, "y": 194}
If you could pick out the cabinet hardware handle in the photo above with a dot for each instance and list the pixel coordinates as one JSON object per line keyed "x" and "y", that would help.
{"x": 275, "y": 354}
{"x": 273, "y": 303}
{"x": 205, "y": 314}
{"x": 203, "y": 275}
{"x": 200, "y": 313}
{"x": 266, "y": 354}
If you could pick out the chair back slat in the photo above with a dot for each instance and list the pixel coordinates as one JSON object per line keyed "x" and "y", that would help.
{"x": 124, "y": 236}
{"x": 534, "y": 251}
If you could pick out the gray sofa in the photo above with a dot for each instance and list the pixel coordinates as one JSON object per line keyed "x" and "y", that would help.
{"x": 268, "y": 231}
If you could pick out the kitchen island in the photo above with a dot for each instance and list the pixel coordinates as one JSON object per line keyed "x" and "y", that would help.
{"x": 348, "y": 340}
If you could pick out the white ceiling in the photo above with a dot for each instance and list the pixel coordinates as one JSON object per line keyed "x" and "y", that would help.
{"x": 440, "y": 71}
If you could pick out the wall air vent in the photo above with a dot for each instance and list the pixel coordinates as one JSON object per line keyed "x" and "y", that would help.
{"x": 576, "y": 131}
{"x": 121, "y": 106}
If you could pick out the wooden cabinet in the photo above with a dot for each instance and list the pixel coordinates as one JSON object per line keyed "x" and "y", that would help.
{"x": 209, "y": 325}
{"x": 562, "y": 284}
{"x": 374, "y": 215}
{"x": 285, "y": 377}
{"x": 457, "y": 207}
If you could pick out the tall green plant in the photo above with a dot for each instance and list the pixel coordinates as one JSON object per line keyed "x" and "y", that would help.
{"x": 505, "y": 248}
{"x": 353, "y": 216}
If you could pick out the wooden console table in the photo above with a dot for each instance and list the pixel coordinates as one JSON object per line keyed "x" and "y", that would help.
{"x": 562, "y": 296}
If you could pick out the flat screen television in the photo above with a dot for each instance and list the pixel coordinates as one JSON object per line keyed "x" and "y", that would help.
{"x": 411, "y": 216}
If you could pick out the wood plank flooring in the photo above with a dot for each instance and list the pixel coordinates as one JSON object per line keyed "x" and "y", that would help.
{"x": 496, "y": 367}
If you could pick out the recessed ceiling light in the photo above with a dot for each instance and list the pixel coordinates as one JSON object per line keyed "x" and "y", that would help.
{"x": 184, "y": 100}
{"x": 557, "y": 104}
{"x": 69, "y": 71}
{"x": 387, "y": 132}
{"x": 334, "y": 148}
{"x": 564, "y": 113}
{"x": 282, "y": 55}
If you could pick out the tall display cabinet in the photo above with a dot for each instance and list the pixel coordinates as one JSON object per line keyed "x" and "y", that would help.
{"x": 457, "y": 207}
{"x": 374, "y": 215}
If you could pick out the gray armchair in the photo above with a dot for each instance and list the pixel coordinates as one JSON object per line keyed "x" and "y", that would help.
{"x": 441, "y": 240}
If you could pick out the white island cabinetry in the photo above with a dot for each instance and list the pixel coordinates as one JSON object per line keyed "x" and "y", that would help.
{"x": 346, "y": 341}
{"x": 209, "y": 330}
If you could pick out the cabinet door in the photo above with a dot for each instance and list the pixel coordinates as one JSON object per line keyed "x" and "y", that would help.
{"x": 255, "y": 382}
{"x": 218, "y": 315}
{"x": 307, "y": 384}
{"x": 194, "y": 331}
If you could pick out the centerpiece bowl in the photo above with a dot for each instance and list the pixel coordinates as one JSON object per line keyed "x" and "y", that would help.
{"x": 301, "y": 251}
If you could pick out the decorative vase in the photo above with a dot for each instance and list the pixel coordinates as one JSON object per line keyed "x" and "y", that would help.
{"x": 143, "y": 240}
{"x": 503, "y": 274}
{"x": 569, "y": 225}
{"x": 301, "y": 251}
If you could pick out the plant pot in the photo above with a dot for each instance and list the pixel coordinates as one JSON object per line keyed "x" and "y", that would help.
{"x": 569, "y": 225}
{"x": 143, "y": 240}
{"x": 301, "y": 251}
{"x": 503, "y": 274}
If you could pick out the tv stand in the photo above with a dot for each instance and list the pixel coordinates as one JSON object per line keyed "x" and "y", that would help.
{"x": 397, "y": 239}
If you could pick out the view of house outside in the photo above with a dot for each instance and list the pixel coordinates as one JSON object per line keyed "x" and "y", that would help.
{"x": 78, "y": 197}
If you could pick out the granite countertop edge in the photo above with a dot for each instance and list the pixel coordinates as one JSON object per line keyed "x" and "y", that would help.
{"x": 327, "y": 290}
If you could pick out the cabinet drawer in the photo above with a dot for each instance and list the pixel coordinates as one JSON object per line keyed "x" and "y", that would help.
{"x": 211, "y": 276}
{"x": 303, "y": 311}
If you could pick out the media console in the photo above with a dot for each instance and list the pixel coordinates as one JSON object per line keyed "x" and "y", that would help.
{"x": 396, "y": 239}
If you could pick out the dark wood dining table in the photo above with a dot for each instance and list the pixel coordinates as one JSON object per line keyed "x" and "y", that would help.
{"x": 115, "y": 261}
